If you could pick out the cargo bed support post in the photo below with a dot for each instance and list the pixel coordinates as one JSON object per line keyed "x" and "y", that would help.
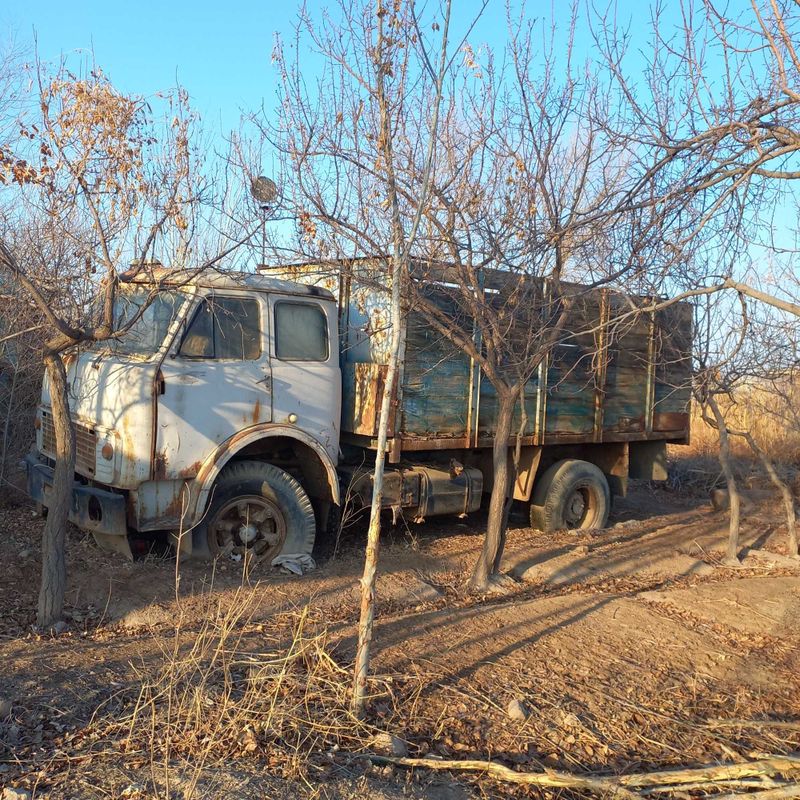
{"x": 475, "y": 377}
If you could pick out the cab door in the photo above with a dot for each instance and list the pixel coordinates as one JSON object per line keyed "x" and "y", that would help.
{"x": 306, "y": 380}
{"x": 215, "y": 382}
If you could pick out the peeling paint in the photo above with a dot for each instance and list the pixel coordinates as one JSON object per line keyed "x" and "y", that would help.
{"x": 160, "y": 466}
{"x": 191, "y": 471}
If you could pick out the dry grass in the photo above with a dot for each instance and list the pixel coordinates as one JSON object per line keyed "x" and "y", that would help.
{"x": 233, "y": 694}
{"x": 235, "y": 689}
{"x": 273, "y": 697}
{"x": 770, "y": 414}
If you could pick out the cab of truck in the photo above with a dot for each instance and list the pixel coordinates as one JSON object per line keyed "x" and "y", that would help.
{"x": 215, "y": 416}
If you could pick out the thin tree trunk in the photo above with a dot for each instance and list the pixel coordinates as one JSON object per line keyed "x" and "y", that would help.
{"x": 523, "y": 423}
{"x": 367, "y": 616}
{"x": 54, "y": 569}
{"x": 493, "y": 542}
{"x": 732, "y": 554}
{"x": 401, "y": 246}
{"x": 786, "y": 494}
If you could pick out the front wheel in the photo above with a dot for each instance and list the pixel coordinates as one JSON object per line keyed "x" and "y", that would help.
{"x": 258, "y": 512}
{"x": 571, "y": 494}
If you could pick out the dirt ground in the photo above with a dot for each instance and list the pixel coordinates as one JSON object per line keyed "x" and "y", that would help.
{"x": 627, "y": 649}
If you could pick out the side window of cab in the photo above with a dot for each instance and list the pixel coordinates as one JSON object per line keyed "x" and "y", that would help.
{"x": 224, "y": 328}
{"x": 301, "y": 331}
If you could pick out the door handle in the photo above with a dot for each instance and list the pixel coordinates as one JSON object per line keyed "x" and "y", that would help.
{"x": 267, "y": 381}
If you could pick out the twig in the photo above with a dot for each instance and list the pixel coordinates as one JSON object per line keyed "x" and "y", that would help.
{"x": 754, "y": 723}
{"x": 714, "y": 772}
{"x": 744, "y": 783}
{"x": 601, "y": 785}
{"x": 789, "y": 790}
{"x": 617, "y": 786}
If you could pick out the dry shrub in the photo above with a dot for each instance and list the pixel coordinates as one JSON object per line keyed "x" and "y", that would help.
{"x": 20, "y": 390}
{"x": 769, "y": 411}
{"x": 238, "y": 688}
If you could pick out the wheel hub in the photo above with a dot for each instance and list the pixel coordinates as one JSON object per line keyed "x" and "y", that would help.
{"x": 248, "y": 533}
{"x": 252, "y": 526}
{"x": 575, "y": 509}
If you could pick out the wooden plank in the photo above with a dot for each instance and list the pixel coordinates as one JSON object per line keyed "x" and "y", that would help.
{"x": 435, "y": 396}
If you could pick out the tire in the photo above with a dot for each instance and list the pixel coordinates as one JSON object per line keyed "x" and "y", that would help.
{"x": 257, "y": 512}
{"x": 571, "y": 494}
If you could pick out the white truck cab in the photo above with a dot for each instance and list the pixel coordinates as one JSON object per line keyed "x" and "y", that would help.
{"x": 215, "y": 417}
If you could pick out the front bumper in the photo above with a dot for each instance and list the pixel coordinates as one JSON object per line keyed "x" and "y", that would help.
{"x": 92, "y": 509}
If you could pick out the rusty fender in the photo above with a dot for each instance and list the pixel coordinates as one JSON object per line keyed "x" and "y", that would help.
{"x": 213, "y": 465}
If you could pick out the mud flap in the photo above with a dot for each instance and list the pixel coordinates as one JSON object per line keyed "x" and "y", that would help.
{"x": 182, "y": 544}
{"x": 648, "y": 460}
{"x": 114, "y": 543}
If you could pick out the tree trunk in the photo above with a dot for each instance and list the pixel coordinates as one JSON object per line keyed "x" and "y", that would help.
{"x": 54, "y": 569}
{"x": 515, "y": 461}
{"x": 401, "y": 246}
{"x": 786, "y": 494}
{"x": 732, "y": 554}
{"x": 494, "y": 541}
{"x": 367, "y": 616}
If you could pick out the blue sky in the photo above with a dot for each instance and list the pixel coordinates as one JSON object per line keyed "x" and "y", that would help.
{"x": 220, "y": 52}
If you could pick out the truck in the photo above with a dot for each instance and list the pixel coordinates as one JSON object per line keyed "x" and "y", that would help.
{"x": 239, "y": 411}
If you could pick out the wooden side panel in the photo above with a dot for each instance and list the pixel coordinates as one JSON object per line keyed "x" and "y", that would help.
{"x": 625, "y": 404}
{"x": 435, "y": 394}
{"x": 570, "y": 391}
{"x": 672, "y": 346}
{"x": 574, "y": 367}
{"x": 487, "y": 415}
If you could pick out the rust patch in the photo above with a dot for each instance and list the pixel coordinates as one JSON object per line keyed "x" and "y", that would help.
{"x": 175, "y": 507}
{"x": 670, "y": 421}
{"x": 229, "y": 445}
{"x": 160, "y": 467}
{"x": 257, "y": 412}
{"x": 368, "y": 386}
{"x": 627, "y": 425}
{"x": 191, "y": 471}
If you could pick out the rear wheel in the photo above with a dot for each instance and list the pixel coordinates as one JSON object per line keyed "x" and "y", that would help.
{"x": 571, "y": 494}
{"x": 257, "y": 512}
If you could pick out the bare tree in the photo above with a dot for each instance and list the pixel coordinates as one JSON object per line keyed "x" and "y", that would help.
{"x": 529, "y": 192}
{"x": 373, "y": 57}
{"x": 92, "y": 180}
{"x": 739, "y": 354}
{"x": 530, "y": 198}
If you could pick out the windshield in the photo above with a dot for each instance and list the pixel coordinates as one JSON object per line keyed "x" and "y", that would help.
{"x": 148, "y": 332}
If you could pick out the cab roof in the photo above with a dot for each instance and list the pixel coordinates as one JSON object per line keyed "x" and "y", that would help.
{"x": 218, "y": 279}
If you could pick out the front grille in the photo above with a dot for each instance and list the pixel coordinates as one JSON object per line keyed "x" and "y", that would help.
{"x": 85, "y": 443}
